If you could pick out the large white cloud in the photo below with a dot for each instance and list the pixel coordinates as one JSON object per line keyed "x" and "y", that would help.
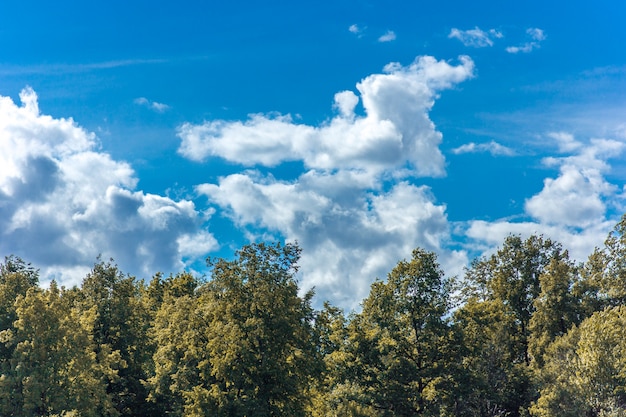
{"x": 62, "y": 202}
{"x": 395, "y": 129}
{"x": 354, "y": 211}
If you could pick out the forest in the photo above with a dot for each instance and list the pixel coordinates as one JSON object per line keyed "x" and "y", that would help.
{"x": 525, "y": 332}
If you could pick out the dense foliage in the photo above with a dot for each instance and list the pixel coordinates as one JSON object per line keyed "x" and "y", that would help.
{"x": 526, "y": 332}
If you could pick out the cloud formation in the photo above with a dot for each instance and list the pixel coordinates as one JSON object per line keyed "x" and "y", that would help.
{"x": 62, "y": 202}
{"x": 354, "y": 210}
{"x": 572, "y": 208}
{"x": 476, "y": 38}
{"x": 394, "y": 132}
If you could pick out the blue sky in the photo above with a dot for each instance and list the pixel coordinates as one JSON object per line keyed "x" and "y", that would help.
{"x": 162, "y": 133}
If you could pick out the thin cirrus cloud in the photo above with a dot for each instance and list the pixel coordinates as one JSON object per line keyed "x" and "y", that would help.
{"x": 351, "y": 226}
{"x": 494, "y": 148}
{"x": 476, "y": 38}
{"x": 62, "y": 202}
{"x": 536, "y": 36}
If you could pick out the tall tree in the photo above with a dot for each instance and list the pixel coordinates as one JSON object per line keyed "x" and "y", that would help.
{"x": 585, "y": 370}
{"x": 121, "y": 325}
{"x": 242, "y": 344}
{"x": 54, "y": 368}
{"x": 262, "y": 348}
{"x": 556, "y": 307}
{"x": 501, "y": 292}
{"x": 402, "y": 344}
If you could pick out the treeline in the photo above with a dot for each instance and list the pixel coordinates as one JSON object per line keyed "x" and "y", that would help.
{"x": 526, "y": 332}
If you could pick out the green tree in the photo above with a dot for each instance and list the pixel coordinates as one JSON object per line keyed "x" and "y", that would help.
{"x": 501, "y": 293}
{"x": 557, "y": 308}
{"x": 121, "y": 325}
{"x": 585, "y": 370}
{"x": 54, "y": 368}
{"x": 604, "y": 273}
{"x": 16, "y": 278}
{"x": 262, "y": 348}
{"x": 402, "y": 344}
{"x": 242, "y": 344}
{"x": 181, "y": 360}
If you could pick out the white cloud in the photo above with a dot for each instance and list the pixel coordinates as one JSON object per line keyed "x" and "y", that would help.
{"x": 476, "y": 37}
{"x": 494, "y": 148}
{"x": 158, "y": 107}
{"x": 565, "y": 141}
{"x": 572, "y": 208}
{"x": 389, "y": 36}
{"x": 576, "y": 198}
{"x": 62, "y": 202}
{"x": 394, "y": 131}
{"x": 579, "y": 243}
{"x": 352, "y": 224}
{"x": 536, "y": 35}
{"x": 350, "y": 234}
{"x": 356, "y": 29}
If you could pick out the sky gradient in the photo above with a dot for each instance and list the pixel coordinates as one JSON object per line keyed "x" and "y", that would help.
{"x": 158, "y": 134}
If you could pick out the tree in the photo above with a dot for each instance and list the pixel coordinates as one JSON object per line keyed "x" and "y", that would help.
{"x": 585, "y": 370}
{"x": 54, "y": 368}
{"x": 501, "y": 293}
{"x": 556, "y": 308}
{"x": 604, "y": 274}
{"x": 402, "y": 344}
{"x": 242, "y": 344}
{"x": 121, "y": 325}
{"x": 262, "y": 349}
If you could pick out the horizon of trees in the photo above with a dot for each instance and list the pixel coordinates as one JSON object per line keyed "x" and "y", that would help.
{"x": 526, "y": 332}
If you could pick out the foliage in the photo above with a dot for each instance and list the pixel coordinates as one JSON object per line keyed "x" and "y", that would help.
{"x": 535, "y": 334}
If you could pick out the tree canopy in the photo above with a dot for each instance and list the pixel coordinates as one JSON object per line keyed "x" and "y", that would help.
{"x": 525, "y": 332}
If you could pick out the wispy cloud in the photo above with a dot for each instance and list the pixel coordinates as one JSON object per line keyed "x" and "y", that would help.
{"x": 156, "y": 106}
{"x": 476, "y": 38}
{"x": 536, "y": 35}
{"x": 389, "y": 36}
{"x": 63, "y": 68}
{"x": 494, "y": 148}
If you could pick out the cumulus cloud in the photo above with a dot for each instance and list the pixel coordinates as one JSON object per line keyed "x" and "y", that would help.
{"x": 576, "y": 198}
{"x": 153, "y": 105}
{"x": 350, "y": 233}
{"x": 395, "y": 130}
{"x": 572, "y": 208}
{"x": 476, "y": 38}
{"x": 494, "y": 148}
{"x": 62, "y": 202}
{"x": 388, "y": 36}
{"x": 354, "y": 210}
{"x": 536, "y": 35}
